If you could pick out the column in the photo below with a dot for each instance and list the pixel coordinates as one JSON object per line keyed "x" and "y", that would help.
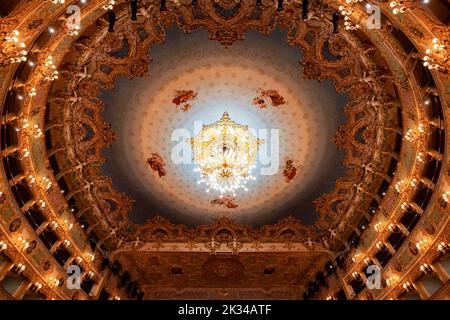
{"x": 42, "y": 227}
{"x": 427, "y": 182}
{"x": 53, "y": 125}
{"x": 440, "y": 272}
{"x": 10, "y": 150}
{"x": 348, "y": 290}
{"x": 53, "y": 151}
{"x": 375, "y": 261}
{"x": 389, "y": 247}
{"x": 402, "y": 228}
{"x": 55, "y": 246}
{"x": 436, "y": 155}
{"x": 5, "y": 268}
{"x": 21, "y": 290}
{"x": 28, "y": 205}
{"x": 424, "y": 295}
{"x": 96, "y": 289}
{"x": 17, "y": 179}
{"x": 416, "y": 207}
{"x": 363, "y": 277}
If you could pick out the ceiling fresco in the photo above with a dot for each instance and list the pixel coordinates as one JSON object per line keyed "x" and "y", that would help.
{"x": 352, "y": 166}
{"x": 145, "y": 119}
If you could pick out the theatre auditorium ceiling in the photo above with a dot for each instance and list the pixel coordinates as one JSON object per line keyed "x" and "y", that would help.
{"x": 224, "y": 149}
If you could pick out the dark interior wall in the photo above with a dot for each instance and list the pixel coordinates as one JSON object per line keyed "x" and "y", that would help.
{"x": 7, "y": 6}
{"x": 441, "y": 10}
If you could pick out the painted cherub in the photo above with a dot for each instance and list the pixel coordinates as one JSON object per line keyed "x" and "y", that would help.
{"x": 268, "y": 96}
{"x": 156, "y": 163}
{"x": 182, "y": 97}
{"x": 290, "y": 171}
{"x": 226, "y": 201}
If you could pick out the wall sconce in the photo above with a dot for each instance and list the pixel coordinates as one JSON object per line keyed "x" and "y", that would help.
{"x": 73, "y": 30}
{"x": 3, "y": 246}
{"x": 378, "y": 226}
{"x": 347, "y": 12}
{"x": 53, "y": 225}
{"x": 36, "y": 286}
{"x": 234, "y": 246}
{"x": 400, "y": 186}
{"x": 19, "y": 268}
{"x": 391, "y": 281}
{"x": 408, "y": 286}
{"x": 414, "y": 182}
{"x": 48, "y": 69}
{"x": 22, "y": 243}
{"x": 430, "y": 63}
{"x": 31, "y": 179}
{"x": 68, "y": 224}
{"x": 412, "y": 135}
{"x": 380, "y": 245}
{"x": 356, "y": 275}
{"x": 436, "y": 56}
{"x": 23, "y": 123}
{"x": 443, "y": 247}
{"x": 421, "y": 128}
{"x": 47, "y": 183}
{"x": 91, "y": 256}
{"x": 24, "y": 153}
{"x": 41, "y": 204}
{"x": 116, "y": 298}
{"x": 13, "y": 50}
{"x": 404, "y": 206}
{"x": 397, "y": 7}
{"x": 32, "y": 92}
{"x": 420, "y": 157}
{"x": 66, "y": 243}
{"x": 446, "y": 196}
{"x": 409, "y": 135}
{"x": 438, "y": 45}
{"x": 212, "y": 246}
{"x": 425, "y": 268}
{"x": 356, "y": 256}
{"x": 109, "y": 5}
{"x": 392, "y": 227}
{"x": 422, "y": 244}
{"x": 37, "y": 132}
{"x": 54, "y": 282}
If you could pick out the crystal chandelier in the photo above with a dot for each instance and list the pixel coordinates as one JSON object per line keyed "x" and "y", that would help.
{"x": 226, "y": 152}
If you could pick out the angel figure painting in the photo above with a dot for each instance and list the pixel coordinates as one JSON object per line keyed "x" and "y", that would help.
{"x": 226, "y": 201}
{"x": 156, "y": 163}
{"x": 182, "y": 97}
{"x": 266, "y": 97}
{"x": 290, "y": 171}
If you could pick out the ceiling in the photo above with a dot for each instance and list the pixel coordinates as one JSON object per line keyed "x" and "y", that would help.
{"x": 161, "y": 272}
{"x": 373, "y": 171}
{"x": 144, "y": 118}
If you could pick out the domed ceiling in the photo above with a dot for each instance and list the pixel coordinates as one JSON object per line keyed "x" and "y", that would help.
{"x": 146, "y": 121}
{"x": 94, "y": 116}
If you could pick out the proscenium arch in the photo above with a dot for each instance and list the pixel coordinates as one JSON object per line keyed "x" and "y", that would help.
{"x": 411, "y": 104}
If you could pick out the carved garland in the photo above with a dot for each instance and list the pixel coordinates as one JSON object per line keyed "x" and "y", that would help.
{"x": 351, "y": 70}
